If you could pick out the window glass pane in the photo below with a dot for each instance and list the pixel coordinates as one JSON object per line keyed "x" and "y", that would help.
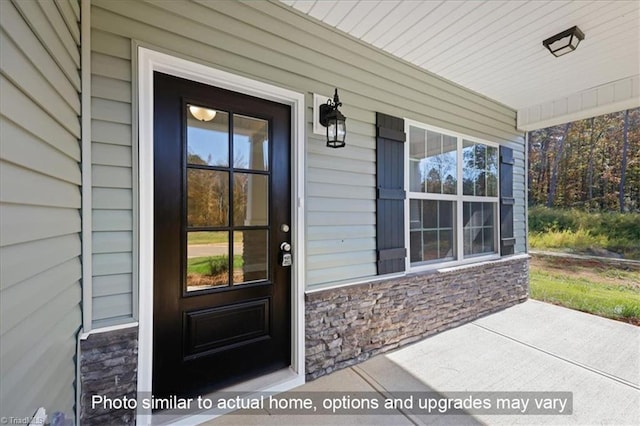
{"x": 445, "y": 214}
{"x": 432, "y": 238}
{"x": 468, "y": 170}
{"x": 417, "y": 146}
{"x": 250, "y": 143}
{"x": 250, "y": 199}
{"x": 480, "y": 157}
{"x": 479, "y": 169}
{"x": 207, "y": 136}
{"x": 250, "y": 260}
{"x": 446, "y": 244}
{"x": 467, "y": 241}
{"x": 415, "y": 248}
{"x": 492, "y": 171}
{"x": 432, "y": 162}
{"x": 479, "y": 228}
{"x": 429, "y": 214}
{"x": 207, "y": 198}
{"x": 449, "y": 169}
{"x": 415, "y": 213}
{"x": 487, "y": 214}
{"x": 430, "y": 245}
{"x": 207, "y": 260}
{"x": 476, "y": 214}
{"x": 487, "y": 240}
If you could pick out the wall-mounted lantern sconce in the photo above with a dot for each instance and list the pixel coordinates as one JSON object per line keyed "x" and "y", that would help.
{"x": 564, "y": 42}
{"x": 334, "y": 121}
{"x": 202, "y": 114}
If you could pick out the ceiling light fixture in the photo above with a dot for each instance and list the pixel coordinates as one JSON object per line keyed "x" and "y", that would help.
{"x": 202, "y": 114}
{"x": 564, "y": 42}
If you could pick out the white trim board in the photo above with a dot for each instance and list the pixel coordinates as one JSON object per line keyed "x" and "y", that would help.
{"x": 608, "y": 98}
{"x": 148, "y": 62}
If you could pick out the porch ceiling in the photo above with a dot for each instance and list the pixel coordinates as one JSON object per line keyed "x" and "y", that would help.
{"x": 495, "y": 47}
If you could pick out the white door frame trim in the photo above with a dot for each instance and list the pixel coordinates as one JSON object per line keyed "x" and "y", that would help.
{"x": 148, "y": 62}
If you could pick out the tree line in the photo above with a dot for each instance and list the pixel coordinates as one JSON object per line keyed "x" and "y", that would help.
{"x": 591, "y": 164}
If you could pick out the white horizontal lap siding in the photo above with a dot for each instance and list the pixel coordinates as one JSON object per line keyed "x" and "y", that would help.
{"x": 40, "y": 179}
{"x": 269, "y": 42}
{"x": 112, "y": 179}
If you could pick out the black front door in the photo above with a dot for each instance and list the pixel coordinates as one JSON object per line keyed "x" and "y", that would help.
{"x": 221, "y": 305}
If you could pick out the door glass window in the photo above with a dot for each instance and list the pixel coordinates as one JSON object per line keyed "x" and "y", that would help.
{"x": 227, "y": 206}
{"x": 207, "y": 136}
{"x": 207, "y": 198}
{"x": 251, "y": 258}
{"x": 250, "y": 143}
{"x": 207, "y": 260}
{"x": 250, "y": 199}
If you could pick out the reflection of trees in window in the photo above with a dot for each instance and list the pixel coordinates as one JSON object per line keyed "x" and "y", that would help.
{"x": 207, "y": 197}
{"x": 492, "y": 171}
{"x": 438, "y": 169}
{"x": 432, "y": 181}
{"x": 240, "y": 182}
{"x": 480, "y": 170}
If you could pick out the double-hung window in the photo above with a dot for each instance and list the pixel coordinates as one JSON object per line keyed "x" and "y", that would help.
{"x": 452, "y": 197}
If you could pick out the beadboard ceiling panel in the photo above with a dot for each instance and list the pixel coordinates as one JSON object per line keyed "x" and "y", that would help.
{"x": 494, "y": 47}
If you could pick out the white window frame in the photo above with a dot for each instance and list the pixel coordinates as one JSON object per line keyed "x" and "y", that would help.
{"x": 459, "y": 199}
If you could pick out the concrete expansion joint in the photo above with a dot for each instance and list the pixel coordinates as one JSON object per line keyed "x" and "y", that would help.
{"x": 384, "y": 392}
{"x": 560, "y": 357}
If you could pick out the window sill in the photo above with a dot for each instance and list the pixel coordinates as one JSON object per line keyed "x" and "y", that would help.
{"x": 467, "y": 263}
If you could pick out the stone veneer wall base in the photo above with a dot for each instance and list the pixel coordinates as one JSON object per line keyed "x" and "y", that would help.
{"x": 108, "y": 367}
{"x": 348, "y": 325}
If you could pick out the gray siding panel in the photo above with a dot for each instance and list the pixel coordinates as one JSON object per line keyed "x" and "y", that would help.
{"x": 40, "y": 266}
{"x": 112, "y": 242}
{"x": 109, "y": 88}
{"x": 19, "y": 185}
{"x": 111, "y": 133}
{"x": 18, "y": 30}
{"x": 111, "y": 177}
{"x": 33, "y": 152}
{"x": 23, "y": 223}
{"x": 268, "y": 42}
{"x": 113, "y": 307}
{"x": 31, "y": 117}
{"x": 28, "y": 77}
{"x": 16, "y": 260}
{"x": 67, "y": 60}
{"x": 70, "y": 19}
{"x": 110, "y": 44}
{"x": 108, "y": 285}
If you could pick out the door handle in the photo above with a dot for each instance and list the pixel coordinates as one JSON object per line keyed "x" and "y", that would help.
{"x": 286, "y": 258}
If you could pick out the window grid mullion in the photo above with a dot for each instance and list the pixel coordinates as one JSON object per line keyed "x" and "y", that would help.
{"x": 459, "y": 199}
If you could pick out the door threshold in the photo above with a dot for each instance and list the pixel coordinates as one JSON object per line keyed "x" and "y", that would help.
{"x": 273, "y": 383}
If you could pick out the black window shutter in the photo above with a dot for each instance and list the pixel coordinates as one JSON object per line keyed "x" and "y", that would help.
{"x": 390, "y": 138}
{"x": 507, "y": 239}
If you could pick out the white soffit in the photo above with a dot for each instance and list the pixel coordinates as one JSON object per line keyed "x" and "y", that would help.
{"x": 495, "y": 47}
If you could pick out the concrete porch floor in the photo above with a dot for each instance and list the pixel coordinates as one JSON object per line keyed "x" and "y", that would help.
{"x": 529, "y": 347}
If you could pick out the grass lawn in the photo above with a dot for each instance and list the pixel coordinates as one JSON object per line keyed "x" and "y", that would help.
{"x": 204, "y": 237}
{"x": 592, "y": 287}
{"x": 201, "y": 265}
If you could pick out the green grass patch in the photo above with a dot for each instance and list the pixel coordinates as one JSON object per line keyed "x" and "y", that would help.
{"x": 578, "y": 240}
{"x": 203, "y": 265}
{"x": 213, "y": 237}
{"x": 607, "y": 300}
{"x": 583, "y": 231}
